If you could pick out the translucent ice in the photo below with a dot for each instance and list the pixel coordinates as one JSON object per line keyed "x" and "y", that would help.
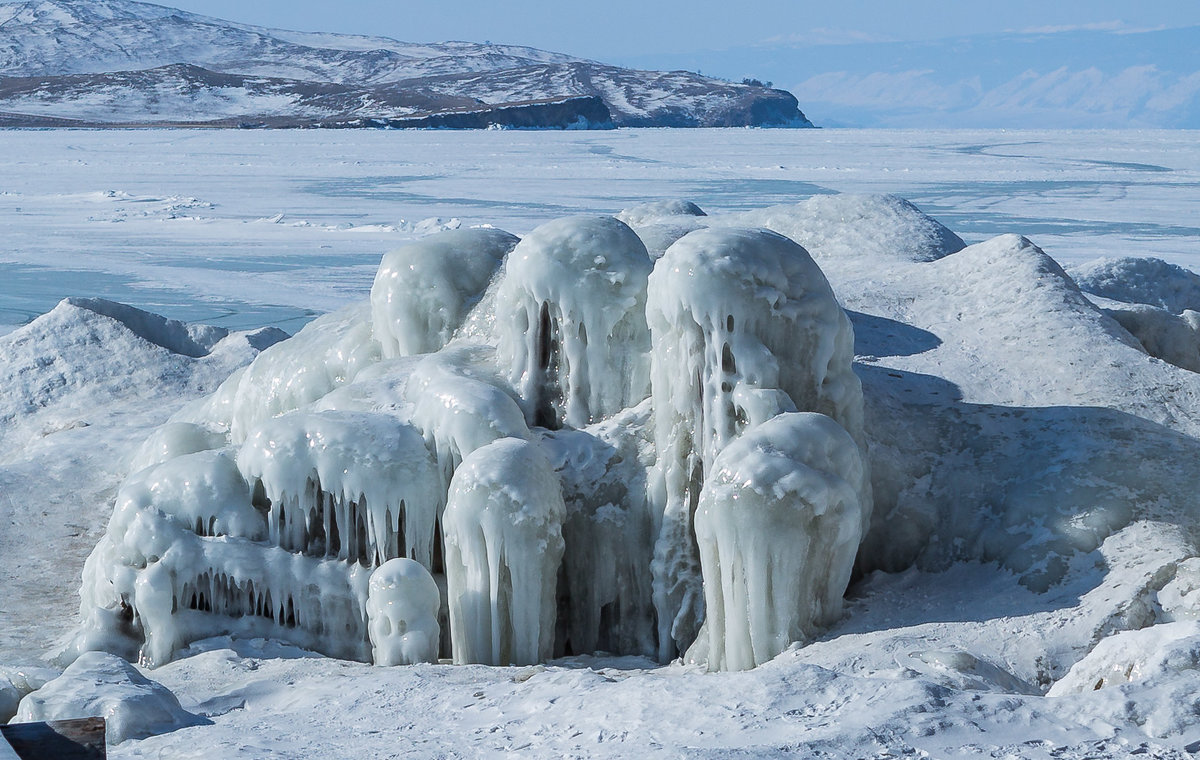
{"x": 744, "y": 326}
{"x": 402, "y": 613}
{"x": 778, "y": 524}
{"x": 503, "y": 531}
{"x": 570, "y": 312}
{"x": 359, "y": 487}
{"x": 423, "y": 290}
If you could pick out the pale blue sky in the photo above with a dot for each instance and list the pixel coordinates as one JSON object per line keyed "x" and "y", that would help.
{"x": 615, "y": 29}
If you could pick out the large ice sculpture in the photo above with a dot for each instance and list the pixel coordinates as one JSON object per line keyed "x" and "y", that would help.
{"x": 532, "y": 481}
{"x": 744, "y": 327}
{"x": 503, "y": 530}
{"x": 778, "y": 524}
{"x": 425, "y": 289}
{"x": 571, "y": 320}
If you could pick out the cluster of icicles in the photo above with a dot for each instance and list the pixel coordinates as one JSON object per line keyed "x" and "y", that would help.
{"x": 518, "y": 450}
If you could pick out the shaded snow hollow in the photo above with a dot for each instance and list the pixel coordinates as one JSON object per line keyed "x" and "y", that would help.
{"x": 1011, "y": 462}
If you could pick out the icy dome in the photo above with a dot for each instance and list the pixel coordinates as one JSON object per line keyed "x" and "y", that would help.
{"x": 514, "y": 443}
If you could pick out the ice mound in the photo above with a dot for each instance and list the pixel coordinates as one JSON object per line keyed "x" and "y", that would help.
{"x": 530, "y": 467}
{"x": 101, "y": 685}
{"x": 778, "y": 524}
{"x": 424, "y": 290}
{"x": 326, "y": 354}
{"x": 1174, "y": 338}
{"x": 744, "y": 327}
{"x": 1130, "y": 656}
{"x": 1157, "y": 302}
{"x": 656, "y": 211}
{"x": 1017, "y": 360}
{"x": 1141, "y": 280}
{"x": 402, "y": 610}
{"x": 571, "y": 317}
{"x": 55, "y": 368}
{"x": 503, "y": 530}
{"x": 865, "y": 227}
{"x": 15, "y": 683}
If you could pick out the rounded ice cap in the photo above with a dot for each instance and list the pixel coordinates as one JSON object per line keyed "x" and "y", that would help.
{"x": 423, "y": 290}
{"x": 402, "y": 610}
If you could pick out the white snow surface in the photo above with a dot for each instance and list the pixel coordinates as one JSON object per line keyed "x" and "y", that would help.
{"x": 1034, "y": 505}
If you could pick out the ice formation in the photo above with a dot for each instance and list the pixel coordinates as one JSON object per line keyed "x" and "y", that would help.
{"x": 571, "y": 317}
{"x": 503, "y": 530}
{"x": 402, "y": 612}
{"x": 744, "y": 327}
{"x": 528, "y": 475}
{"x": 778, "y": 524}
{"x": 99, "y": 684}
{"x": 424, "y": 290}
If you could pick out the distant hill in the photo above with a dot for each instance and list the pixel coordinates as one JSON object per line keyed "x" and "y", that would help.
{"x": 122, "y": 63}
{"x": 1051, "y": 78}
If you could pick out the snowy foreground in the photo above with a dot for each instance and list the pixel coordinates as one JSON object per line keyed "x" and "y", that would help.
{"x": 1027, "y": 578}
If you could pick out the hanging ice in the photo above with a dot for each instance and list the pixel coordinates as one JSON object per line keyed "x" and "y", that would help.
{"x": 423, "y": 290}
{"x": 503, "y": 532}
{"x": 778, "y": 524}
{"x": 570, "y": 315}
{"x": 744, "y": 326}
{"x": 359, "y": 487}
{"x": 460, "y": 406}
{"x": 402, "y": 613}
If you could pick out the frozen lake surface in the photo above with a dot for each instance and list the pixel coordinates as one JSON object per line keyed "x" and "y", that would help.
{"x": 243, "y": 229}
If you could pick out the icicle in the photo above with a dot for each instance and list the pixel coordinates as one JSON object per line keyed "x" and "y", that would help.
{"x": 571, "y": 316}
{"x": 504, "y": 545}
{"x": 778, "y": 526}
{"x": 744, "y": 326}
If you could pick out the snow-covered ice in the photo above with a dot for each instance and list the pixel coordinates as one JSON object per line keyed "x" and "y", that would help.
{"x": 1026, "y": 585}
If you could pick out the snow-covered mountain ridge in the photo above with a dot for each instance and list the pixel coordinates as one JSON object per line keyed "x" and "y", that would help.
{"x": 113, "y": 62}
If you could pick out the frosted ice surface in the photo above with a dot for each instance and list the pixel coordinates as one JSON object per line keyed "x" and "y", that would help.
{"x": 402, "y": 613}
{"x": 425, "y": 289}
{"x": 503, "y": 531}
{"x": 99, "y": 684}
{"x": 744, "y": 326}
{"x": 847, "y": 226}
{"x": 778, "y": 524}
{"x": 655, "y": 211}
{"x": 1140, "y": 280}
{"x": 327, "y": 353}
{"x": 570, "y": 312}
{"x": 460, "y": 406}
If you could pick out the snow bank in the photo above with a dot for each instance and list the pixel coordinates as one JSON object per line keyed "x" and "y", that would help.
{"x": 101, "y": 685}
{"x": 1140, "y": 280}
{"x": 1133, "y": 655}
{"x": 1174, "y": 338}
{"x": 869, "y": 228}
{"x": 424, "y": 290}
